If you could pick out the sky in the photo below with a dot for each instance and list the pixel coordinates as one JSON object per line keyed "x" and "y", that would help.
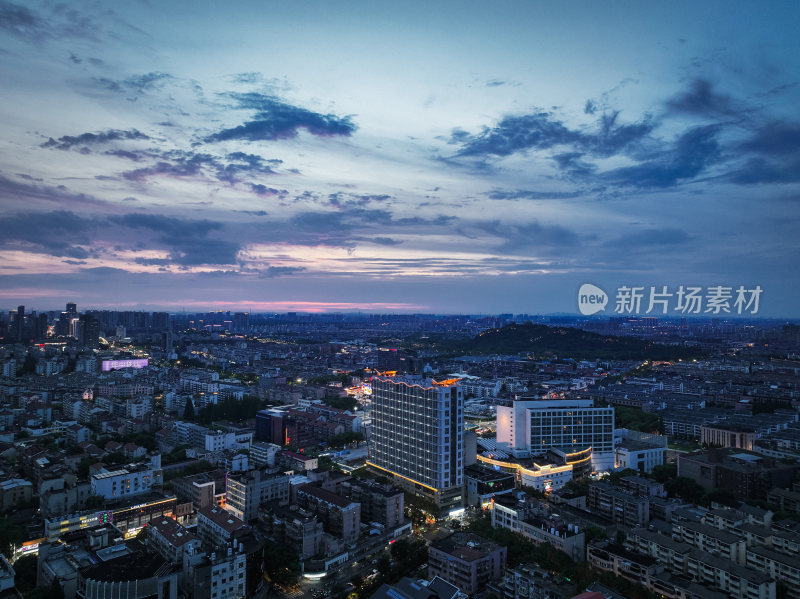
{"x": 452, "y": 157}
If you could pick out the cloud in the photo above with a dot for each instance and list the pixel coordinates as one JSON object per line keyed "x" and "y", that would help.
{"x": 173, "y": 227}
{"x": 17, "y": 192}
{"x": 702, "y": 100}
{"x": 346, "y": 200}
{"x": 58, "y": 233}
{"x": 187, "y": 240}
{"x": 516, "y": 133}
{"x": 263, "y": 190}
{"x": 67, "y": 142}
{"x": 281, "y": 271}
{"x": 387, "y": 241}
{"x": 61, "y": 22}
{"x": 775, "y": 138}
{"x": 542, "y": 131}
{"x": 138, "y": 84}
{"x": 275, "y": 119}
{"x": 530, "y": 235}
{"x": 650, "y": 237}
{"x": 183, "y": 163}
{"x": 691, "y": 154}
{"x": 759, "y": 170}
{"x": 529, "y": 194}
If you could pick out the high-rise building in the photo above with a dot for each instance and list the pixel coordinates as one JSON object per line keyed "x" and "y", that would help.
{"x": 41, "y": 326}
{"x": 88, "y": 332}
{"x": 417, "y": 436}
{"x": 534, "y": 427}
{"x": 160, "y": 321}
{"x": 241, "y": 322}
{"x": 18, "y": 330}
{"x": 72, "y": 309}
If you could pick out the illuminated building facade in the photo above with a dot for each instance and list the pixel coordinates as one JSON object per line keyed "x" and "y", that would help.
{"x": 533, "y": 427}
{"x": 417, "y": 436}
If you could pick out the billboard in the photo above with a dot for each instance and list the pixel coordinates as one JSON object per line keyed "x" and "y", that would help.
{"x": 117, "y": 364}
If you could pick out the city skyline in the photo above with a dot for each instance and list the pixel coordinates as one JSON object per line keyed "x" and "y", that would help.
{"x": 448, "y": 158}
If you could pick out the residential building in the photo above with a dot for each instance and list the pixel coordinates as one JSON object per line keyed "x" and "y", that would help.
{"x": 340, "y": 516}
{"x": 248, "y": 490}
{"x": 617, "y": 505}
{"x": 467, "y": 561}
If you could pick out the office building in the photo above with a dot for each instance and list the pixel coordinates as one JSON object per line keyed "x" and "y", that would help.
{"x": 417, "y": 436}
{"x": 534, "y": 427}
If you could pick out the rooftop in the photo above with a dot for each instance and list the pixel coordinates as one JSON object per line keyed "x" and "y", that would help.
{"x": 172, "y": 531}
{"x": 223, "y": 519}
{"x": 466, "y": 546}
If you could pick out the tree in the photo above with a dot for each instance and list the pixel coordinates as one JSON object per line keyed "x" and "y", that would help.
{"x": 25, "y": 568}
{"x": 686, "y": 488}
{"x": 281, "y": 565}
{"x": 188, "y": 411}
{"x": 664, "y": 472}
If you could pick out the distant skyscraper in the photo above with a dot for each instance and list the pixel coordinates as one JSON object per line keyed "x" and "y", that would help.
{"x": 41, "y": 326}
{"x": 19, "y": 324}
{"x": 417, "y": 436}
{"x": 241, "y": 322}
{"x": 72, "y": 309}
{"x": 160, "y": 321}
{"x": 88, "y": 330}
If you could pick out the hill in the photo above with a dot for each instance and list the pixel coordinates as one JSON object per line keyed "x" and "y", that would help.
{"x": 564, "y": 342}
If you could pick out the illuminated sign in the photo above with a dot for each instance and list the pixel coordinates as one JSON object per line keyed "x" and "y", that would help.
{"x": 117, "y": 364}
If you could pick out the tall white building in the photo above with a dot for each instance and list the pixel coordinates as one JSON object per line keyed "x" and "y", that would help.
{"x": 532, "y": 427}
{"x": 417, "y": 436}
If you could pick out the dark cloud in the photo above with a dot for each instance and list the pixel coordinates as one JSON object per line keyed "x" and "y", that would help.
{"x": 58, "y": 233}
{"x": 347, "y": 200}
{"x": 525, "y": 236}
{"x": 275, "y": 119}
{"x": 613, "y": 138}
{"x": 61, "y": 22}
{"x": 173, "y": 227}
{"x": 691, "y": 154}
{"x": 67, "y": 142}
{"x": 183, "y": 163}
{"x": 21, "y": 21}
{"x": 136, "y": 84}
{"x": 774, "y": 138}
{"x": 25, "y": 193}
{"x": 280, "y": 271}
{"x": 571, "y": 164}
{"x": 542, "y": 131}
{"x": 388, "y": 241}
{"x": 187, "y": 240}
{"x": 759, "y": 170}
{"x": 517, "y": 133}
{"x": 590, "y": 107}
{"x": 529, "y": 194}
{"x": 650, "y": 237}
{"x": 701, "y": 99}
{"x": 263, "y": 190}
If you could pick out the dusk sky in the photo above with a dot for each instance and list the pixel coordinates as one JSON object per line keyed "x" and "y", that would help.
{"x": 458, "y": 157}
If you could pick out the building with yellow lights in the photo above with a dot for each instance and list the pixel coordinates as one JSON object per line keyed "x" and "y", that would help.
{"x": 534, "y": 427}
{"x": 417, "y": 436}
